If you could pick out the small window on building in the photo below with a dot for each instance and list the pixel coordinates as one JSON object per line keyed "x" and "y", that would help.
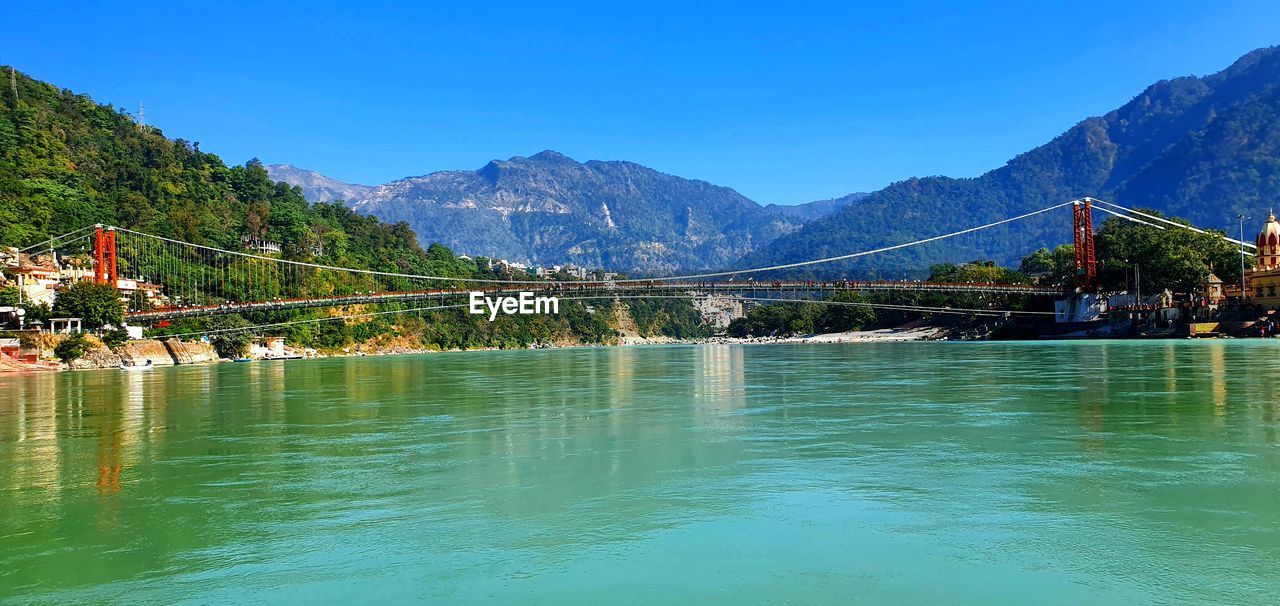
{"x": 1259, "y": 291}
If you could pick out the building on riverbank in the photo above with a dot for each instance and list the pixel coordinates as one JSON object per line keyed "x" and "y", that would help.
{"x": 36, "y": 276}
{"x": 1263, "y": 280}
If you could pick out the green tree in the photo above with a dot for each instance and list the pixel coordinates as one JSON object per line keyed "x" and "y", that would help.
{"x": 71, "y": 348}
{"x": 233, "y": 342}
{"x": 38, "y": 313}
{"x": 778, "y": 319}
{"x": 667, "y": 317}
{"x": 115, "y": 338}
{"x": 8, "y": 298}
{"x": 97, "y": 305}
{"x": 854, "y": 315}
{"x": 1053, "y": 268}
{"x": 1177, "y": 259}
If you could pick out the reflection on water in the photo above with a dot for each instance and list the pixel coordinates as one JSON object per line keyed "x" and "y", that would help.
{"x": 1218, "y": 356}
{"x": 1091, "y": 472}
{"x": 719, "y": 379}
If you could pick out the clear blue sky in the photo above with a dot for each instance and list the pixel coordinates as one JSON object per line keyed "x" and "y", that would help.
{"x": 785, "y": 104}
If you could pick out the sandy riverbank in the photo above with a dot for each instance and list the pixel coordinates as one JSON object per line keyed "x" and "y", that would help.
{"x": 853, "y": 336}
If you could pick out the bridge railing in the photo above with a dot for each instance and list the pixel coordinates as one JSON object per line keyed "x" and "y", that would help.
{"x": 585, "y": 288}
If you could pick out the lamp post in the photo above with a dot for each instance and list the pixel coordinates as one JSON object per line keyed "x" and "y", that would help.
{"x": 1241, "y": 217}
{"x": 22, "y": 285}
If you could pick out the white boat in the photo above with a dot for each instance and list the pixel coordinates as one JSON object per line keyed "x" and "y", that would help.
{"x": 147, "y": 366}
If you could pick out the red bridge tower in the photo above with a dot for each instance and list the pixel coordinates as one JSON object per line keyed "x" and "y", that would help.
{"x": 1086, "y": 261}
{"x": 104, "y": 256}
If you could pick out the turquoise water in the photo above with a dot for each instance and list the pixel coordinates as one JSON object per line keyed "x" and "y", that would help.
{"x": 1093, "y": 472}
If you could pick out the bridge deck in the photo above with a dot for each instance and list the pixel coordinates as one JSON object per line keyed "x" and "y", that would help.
{"x": 586, "y": 289}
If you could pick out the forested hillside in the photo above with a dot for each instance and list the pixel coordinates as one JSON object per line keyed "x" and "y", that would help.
{"x": 67, "y": 162}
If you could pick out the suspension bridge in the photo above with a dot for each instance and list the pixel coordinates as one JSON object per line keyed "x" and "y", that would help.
{"x": 166, "y": 279}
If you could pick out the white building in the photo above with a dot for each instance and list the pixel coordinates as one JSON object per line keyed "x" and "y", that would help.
{"x": 38, "y": 277}
{"x": 262, "y": 247}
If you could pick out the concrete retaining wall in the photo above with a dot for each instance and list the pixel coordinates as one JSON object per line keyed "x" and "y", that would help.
{"x": 137, "y": 353}
{"x": 191, "y": 352}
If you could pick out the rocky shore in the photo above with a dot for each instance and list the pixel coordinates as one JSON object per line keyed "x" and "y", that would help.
{"x": 145, "y": 352}
{"x": 133, "y": 353}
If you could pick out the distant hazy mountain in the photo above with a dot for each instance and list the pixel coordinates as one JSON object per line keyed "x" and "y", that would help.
{"x": 549, "y": 209}
{"x": 814, "y": 210}
{"x": 1204, "y": 148}
{"x": 315, "y": 186}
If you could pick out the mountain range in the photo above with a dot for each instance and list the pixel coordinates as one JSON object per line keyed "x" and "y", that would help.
{"x": 551, "y": 209}
{"x": 315, "y": 186}
{"x": 1203, "y": 148}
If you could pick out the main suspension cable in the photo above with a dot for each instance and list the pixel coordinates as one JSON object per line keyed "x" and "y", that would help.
{"x": 1170, "y": 222}
{"x": 624, "y": 281}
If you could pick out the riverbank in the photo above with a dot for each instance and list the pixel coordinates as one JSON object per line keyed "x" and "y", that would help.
{"x": 399, "y": 348}
{"x": 141, "y": 352}
{"x": 8, "y": 364}
{"x": 852, "y": 336}
{"x": 181, "y": 353}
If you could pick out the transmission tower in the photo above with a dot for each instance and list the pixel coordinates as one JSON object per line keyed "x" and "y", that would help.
{"x": 142, "y": 114}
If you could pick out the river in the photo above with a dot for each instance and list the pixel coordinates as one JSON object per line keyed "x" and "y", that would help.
{"x": 1068, "y": 472}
